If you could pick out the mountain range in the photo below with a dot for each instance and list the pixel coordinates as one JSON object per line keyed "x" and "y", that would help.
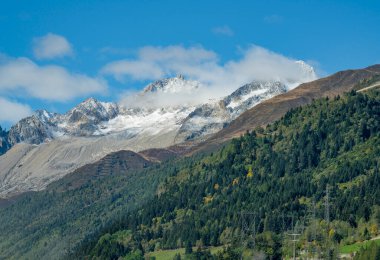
{"x": 46, "y": 146}
{"x": 56, "y": 205}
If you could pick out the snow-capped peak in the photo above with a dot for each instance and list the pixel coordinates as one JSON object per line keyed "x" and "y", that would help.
{"x": 89, "y": 103}
{"x": 92, "y": 106}
{"x": 307, "y": 70}
{"x": 44, "y": 115}
{"x": 172, "y": 85}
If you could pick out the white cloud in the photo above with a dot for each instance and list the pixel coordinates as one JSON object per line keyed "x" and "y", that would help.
{"x": 223, "y": 30}
{"x": 51, "y": 46}
{"x": 158, "y": 62}
{"x": 12, "y": 111}
{"x": 167, "y": 99}
{"x": 25, "y": 78}
{"x": 219, "y": 79}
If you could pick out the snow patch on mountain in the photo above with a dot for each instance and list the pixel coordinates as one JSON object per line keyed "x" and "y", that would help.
{"x": 236, "y": 103}
{"x": 149, "y": 120}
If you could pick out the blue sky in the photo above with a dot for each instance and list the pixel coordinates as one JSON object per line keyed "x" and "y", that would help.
{"x": 69, "y": 49}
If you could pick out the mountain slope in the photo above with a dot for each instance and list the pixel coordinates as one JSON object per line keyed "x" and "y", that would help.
{"x": 117, "y": 163}
{"x": 47, "y": 224}
{"x": 276, "y": 170}
{"x": 32, "y": 167}
{"x": 274, "y": 174}
{"x": 273, "y": 109}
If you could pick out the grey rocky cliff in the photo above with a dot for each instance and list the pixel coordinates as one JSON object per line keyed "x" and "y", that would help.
{"x": 84, "y": 119}
{"x": 30, "y": 130}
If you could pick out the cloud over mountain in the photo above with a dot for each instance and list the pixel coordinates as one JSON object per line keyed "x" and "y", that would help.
{"x": 153, "y": 63}
{"x": 23, "y": 77}
{"x": 204, "y": 66}
{"x": 12, "y": 111}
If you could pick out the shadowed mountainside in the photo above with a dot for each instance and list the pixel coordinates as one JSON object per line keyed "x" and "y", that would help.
{"x": 116, "y": 163}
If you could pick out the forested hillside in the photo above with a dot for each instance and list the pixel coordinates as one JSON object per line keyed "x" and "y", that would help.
{"x": 277, "y": 174}
{"x": 48, "y": 224}
{"x": 276, "y": 180}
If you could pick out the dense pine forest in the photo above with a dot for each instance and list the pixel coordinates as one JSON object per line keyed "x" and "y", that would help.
{"x": 315, "y": 173}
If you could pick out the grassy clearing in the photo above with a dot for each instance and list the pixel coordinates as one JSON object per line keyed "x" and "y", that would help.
{"x": 347, "y": 249}
{"x": 169, "y": 254}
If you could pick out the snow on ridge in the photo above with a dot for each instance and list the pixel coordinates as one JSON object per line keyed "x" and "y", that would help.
{"x": 172, "y": 85}
{"x": 235, "y": 103}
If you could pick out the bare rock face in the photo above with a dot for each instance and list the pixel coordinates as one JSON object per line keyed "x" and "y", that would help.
{"x": 82, "y": 120}
{"x": 31, "y": 130}
{"x": 92, "y": 111}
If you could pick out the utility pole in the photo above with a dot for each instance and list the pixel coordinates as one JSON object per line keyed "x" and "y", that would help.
{"x": 312, "y": 224}
{"x": 314, "y": 238}
{"x": 327, "y": 206}
{"x": 294, "y": 238}
{"x": 327, "y": 218}
{"x": 248, "y": 228}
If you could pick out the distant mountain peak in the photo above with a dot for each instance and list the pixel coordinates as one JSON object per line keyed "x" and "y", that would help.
{"x": 44, "y": 115}
{"x": 92, "y": 110}
{"x": 89, "y": 103}
{"x": 172, "y": 85}
{"x": 307, "y": 69}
